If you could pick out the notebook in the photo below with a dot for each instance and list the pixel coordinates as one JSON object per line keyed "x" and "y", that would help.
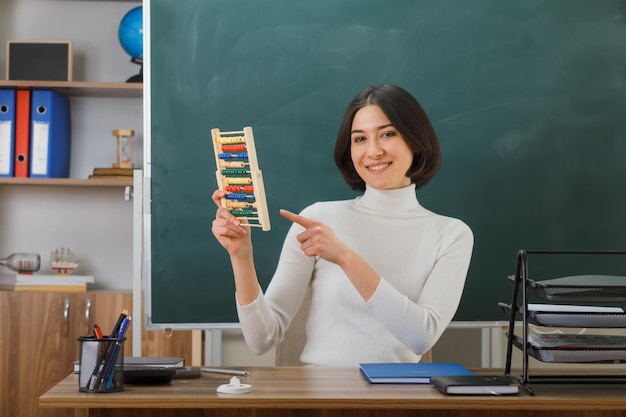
{"x": 408, "y": 373}
{"x": 475, "y": 384}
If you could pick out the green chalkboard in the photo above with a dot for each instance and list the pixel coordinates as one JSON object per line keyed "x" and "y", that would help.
{"x": 528, "y": 99}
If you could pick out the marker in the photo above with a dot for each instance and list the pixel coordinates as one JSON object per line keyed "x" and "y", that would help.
{"x": 97, "y": 331}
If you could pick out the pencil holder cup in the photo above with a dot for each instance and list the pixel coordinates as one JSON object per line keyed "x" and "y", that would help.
{"x": 101, "y": 364}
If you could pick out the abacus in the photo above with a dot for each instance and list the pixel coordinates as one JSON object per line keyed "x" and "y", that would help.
{"x": 238, "y": 175}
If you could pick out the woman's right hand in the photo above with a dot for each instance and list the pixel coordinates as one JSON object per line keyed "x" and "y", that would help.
{"x": 227, "y": 229}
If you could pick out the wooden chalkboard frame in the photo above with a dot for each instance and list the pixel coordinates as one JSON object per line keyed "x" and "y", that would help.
{"x": 527, "y": 99}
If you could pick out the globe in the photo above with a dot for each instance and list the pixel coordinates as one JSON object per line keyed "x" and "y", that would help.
{"x": 131, "y": 33}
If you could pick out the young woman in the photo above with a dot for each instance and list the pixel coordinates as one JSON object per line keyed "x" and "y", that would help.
{"x": 386, "y": 275}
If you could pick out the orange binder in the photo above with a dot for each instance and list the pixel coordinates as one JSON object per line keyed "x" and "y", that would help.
{"x": 22, "y": 132}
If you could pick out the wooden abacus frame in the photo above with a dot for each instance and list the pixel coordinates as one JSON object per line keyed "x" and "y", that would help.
{"x": 239, "y": 173}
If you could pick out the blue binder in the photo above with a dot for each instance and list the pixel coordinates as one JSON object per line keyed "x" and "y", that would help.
{"x": 50, "y": 139}
{"x": 7, "y": 132}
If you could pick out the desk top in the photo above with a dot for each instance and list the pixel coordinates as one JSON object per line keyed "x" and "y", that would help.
{"x": 328, "y": 388}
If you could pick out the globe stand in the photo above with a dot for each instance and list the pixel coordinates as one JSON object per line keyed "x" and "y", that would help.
{"x": 137, "y": 78}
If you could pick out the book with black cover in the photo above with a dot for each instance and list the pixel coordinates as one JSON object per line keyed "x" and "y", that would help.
{"x": 136, "y": 362}
{"x": 475, "y": 384}
{"x": 148, "y": 375}
{"x": 155, "y": 361}
{"x": 408, "y": 373}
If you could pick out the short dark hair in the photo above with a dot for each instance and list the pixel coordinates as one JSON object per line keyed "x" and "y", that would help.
{"x": 405, "y": 114}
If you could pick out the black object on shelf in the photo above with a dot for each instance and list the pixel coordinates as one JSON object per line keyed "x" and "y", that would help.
{"x": 137, "y": 78}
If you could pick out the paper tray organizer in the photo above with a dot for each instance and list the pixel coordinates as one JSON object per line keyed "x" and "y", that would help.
{"x": 589, "y": 288}
{"x": 566, "y": 348}
{"x": 570, "y": 316}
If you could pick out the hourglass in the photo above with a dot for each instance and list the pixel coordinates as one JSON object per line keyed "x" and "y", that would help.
{"x": 124, "y": 148}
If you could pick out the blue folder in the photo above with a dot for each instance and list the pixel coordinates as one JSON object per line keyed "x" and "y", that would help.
{"x": 50, "y": 139}
{"x": 7, "y": 132}
{"x": 408, "y": 372}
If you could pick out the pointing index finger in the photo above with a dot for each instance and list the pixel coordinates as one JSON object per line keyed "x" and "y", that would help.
{"x": 302, "y": 221}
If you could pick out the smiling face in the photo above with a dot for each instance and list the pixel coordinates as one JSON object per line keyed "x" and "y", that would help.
{"x": 380, "y": 154}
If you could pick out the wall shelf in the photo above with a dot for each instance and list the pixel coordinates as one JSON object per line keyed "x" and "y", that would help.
{"x": 82, "y": 88}
{"x": 68, "y": 182}
{"x": 76, "y": 89}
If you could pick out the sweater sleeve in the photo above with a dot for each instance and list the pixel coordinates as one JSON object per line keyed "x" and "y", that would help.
{"x": 264, "y": 321}
{"x": 418, "y": 325}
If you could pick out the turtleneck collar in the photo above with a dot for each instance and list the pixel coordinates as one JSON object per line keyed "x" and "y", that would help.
{"x": 401, "y": 200}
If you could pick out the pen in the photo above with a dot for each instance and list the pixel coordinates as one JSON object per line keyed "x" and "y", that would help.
{"x": 225, "y": 371}
{"x": 97, "y": 372}
{"x": 120, "y": 319}
{"x": 109, "y": 356}
{"x": 115, "y": 331}
{"x": 97, "y": 331}
{"x": 113, "y": 359}
{"x": 109, "y": 347}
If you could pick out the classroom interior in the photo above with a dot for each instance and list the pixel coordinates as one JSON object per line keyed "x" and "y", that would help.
{"x": 98, "y": 223}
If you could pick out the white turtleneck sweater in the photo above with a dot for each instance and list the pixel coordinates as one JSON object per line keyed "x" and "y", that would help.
{"x": 421, "y": 257}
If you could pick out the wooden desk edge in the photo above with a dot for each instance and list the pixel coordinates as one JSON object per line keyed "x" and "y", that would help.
{"x": 332, "y": 388}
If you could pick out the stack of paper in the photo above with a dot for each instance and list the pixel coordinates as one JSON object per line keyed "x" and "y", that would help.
{"x": 40, "y": 282}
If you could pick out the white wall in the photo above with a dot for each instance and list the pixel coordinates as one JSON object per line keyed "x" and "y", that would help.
{"x": 96, "y": 223}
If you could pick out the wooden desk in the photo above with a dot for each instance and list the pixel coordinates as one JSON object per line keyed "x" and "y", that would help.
{"x": 287, "y": 391}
